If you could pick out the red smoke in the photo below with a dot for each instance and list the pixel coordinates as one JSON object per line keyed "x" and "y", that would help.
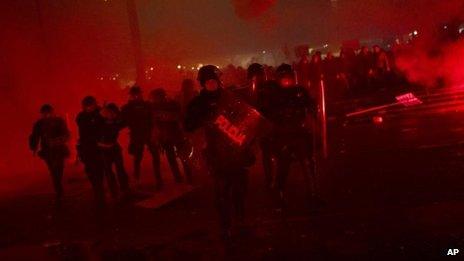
{"x": 250, "y": 9}
{"x": 436, "y": 58}
{"x": 429, "y": 65}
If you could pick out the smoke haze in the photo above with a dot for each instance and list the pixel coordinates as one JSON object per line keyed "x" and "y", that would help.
{"x": 61, "y": 50}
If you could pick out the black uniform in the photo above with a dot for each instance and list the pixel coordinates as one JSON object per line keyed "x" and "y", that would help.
{"x": 265, "y": 102}
{"x": 315, "y": 77}
{"x": 248, "y": 93}
{"x": 227, "y": 165}
{"x": 89, "y": 132}
{"x": 330, "y": 71}
{"x": 51, "y": 135}
{"x": 111, "y": 153}
{"x": 364, "y": 67}
{"x": 137, "y": 116}
{"x": 260, "y": 97}
{"x": 168, "y": 133}
{"x": 291, "y": 138}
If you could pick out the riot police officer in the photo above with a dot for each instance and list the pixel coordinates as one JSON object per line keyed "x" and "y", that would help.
{"x": 258, "y": 94}
{"x": 290, "y": 113}
{"x": 256, "y": 78}
{"x": 227, "y": 164}
{"x": 89, "y": 121}
{"x": 137, "y": 116}
{"x": 187, "y": 93}
{"x": 110, "y": 150}
{"x": 48, "y": 139}
{"x": 168, "y": 133}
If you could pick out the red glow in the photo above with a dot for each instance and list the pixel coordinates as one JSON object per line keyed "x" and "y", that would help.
{"x": 377, "y": 119}
{"x": 249, "y": 9}
{"x": 286, "y": 82}
{"x": 420, "y": 67}
{"x": 230, "y": 130}
{"x": 408, "y": 99}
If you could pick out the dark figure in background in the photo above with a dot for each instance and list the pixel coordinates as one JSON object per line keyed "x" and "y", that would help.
{"x": 230, "y": 76}
{"x": 381, "y": 62}
{"x": 137, "y": 116}
{"x": 168, "y": 134}
{"x": 187, "y": 93}
{"x": 347, "y": 69}
{"x": 88, "y": 122}
{"x": 292, "y": 137}
{"x": 227, "y": 166}
{"x": 364, "y": 68}
{"x": 315, "y": 74}
{"x": 110, "y": 150}
{"x": 49, "y": 140}
{"x": 270, "y": 72}
{"x": 381, "y": 67}
{"x": 330, "y": 72}
{"x": 303, "y": 71}
{"x": 241, "y": 75}
{"x": 256, "y": 77}
{"x": 257, "y": 94}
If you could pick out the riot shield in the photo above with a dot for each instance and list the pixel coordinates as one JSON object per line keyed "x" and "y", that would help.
{"x": 238, "y": 122}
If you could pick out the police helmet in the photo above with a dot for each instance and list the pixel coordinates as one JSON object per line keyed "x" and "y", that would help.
{"x": 112, "y": 107}
{"x": 89, "y": 100}
{"x": 254, "y": 70}
{"x": 135, "y": 90}
{"x": 158, "y": 93}
{"x": 46, "y": 108}
{"x": 208, "y": 72}
{"x": 284, "y": 70}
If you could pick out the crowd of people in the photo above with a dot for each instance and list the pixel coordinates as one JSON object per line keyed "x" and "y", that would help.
{"x": 273, "y": 111}
{"x": 347, "y": 73}
{"x": 154, "y": 124}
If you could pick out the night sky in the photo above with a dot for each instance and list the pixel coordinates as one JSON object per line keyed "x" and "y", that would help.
{"x": 188, "y": 28}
